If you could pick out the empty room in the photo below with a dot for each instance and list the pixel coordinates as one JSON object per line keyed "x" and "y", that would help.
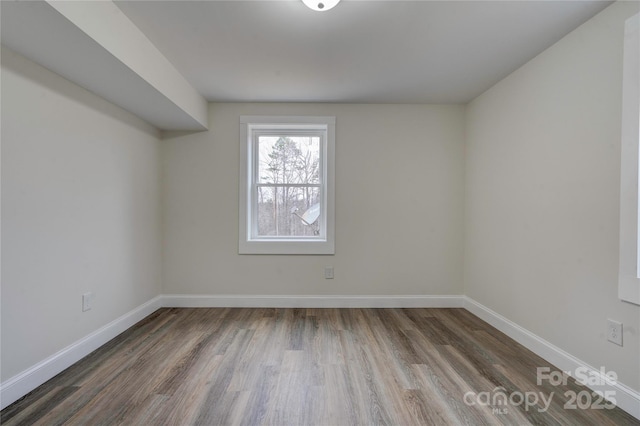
{"x": 320, "y": 212}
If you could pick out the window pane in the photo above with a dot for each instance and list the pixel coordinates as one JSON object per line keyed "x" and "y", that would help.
{"x": 289, "y": 159}
{"x": 286, "y": 211}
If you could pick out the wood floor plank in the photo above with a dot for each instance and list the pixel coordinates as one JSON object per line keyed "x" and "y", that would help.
{"x": 326, "y": 367}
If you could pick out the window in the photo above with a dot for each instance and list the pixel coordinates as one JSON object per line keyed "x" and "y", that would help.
{"x": 286, "y": 185}
{"x": 629, "y": 281}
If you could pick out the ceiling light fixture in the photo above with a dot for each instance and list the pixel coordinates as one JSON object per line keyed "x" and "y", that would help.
{"x": 320, "y": 5}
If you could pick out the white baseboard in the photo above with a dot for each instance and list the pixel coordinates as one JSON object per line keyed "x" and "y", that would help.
{"x": 265, "y": 301}
{"x": 626, "y": 398}
{"x": 23, "y": 383}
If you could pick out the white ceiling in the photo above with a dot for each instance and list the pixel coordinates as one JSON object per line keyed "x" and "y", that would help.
{"x": 360, "y": 51}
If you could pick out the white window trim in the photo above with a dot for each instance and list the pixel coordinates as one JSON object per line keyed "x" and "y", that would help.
{"x": 322, "y": 245}
{"x": 628, "y": 281}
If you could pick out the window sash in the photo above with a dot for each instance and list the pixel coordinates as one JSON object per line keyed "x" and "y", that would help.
{"x": 255, "y": 235}
{"x": 258, "y": 131}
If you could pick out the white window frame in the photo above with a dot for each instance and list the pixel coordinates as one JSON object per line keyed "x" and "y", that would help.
{"x": 249, "y": 242}
{"x": 629, "y": 273}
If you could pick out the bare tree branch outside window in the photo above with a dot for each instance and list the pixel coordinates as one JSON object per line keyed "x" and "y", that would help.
{"x": 289, "y": 183}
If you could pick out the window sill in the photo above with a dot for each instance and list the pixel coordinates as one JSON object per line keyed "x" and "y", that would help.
{"x": 320, "y": 247}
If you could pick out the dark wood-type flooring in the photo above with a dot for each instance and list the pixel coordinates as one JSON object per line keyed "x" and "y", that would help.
{"x": 305, "y": 367}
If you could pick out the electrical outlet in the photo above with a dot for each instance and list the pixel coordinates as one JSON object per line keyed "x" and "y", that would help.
{"x": 87, "y": 301}
{"x": 614, "y": 332}
{"x": 328, "y": 272}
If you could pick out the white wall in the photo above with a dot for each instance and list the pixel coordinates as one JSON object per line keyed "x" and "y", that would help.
{"x": 80, "y": 212}
{"x": 542, "y": 196}
{"x": 399, "y": 206}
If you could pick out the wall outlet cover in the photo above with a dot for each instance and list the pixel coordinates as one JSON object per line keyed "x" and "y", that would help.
{"x": 87, "y": 301}
{"x": 614, "y": 332}
{"x": 328, "y": 272}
